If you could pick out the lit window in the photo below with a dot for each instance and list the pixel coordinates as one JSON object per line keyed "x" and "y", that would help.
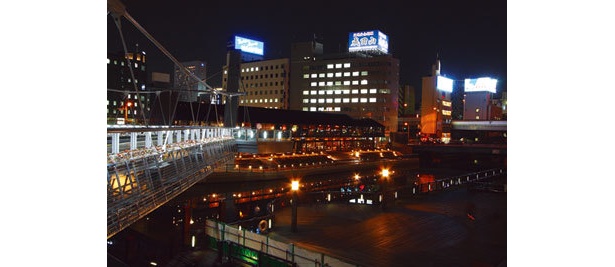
{"x": 321, "y": 109}
{"x": 313, "y": 100}
{"x": 305, "y": 76}
{"x": 321, "y": 75}
{"x": 321, "y": 92}
{"x": 477, "y": 117}
{"x": 355, "y": 91}
{"x": 355, "y": 73}
{"x": 252, "y": 69}
{"x": 339, "y": 65}
{"x": 373, "y": 91}
{"x": 321, "y": 100}
{"x": 363, "y": 81}
{"x": 306, "y": 92}
{"x": 346, "y": 82}
{"x": 346, "y": 91}
{"x": 329, "y": 100}
{"x": 338, "y": 82}
{"x": 346, "y": 100}
{"x": 329, "y": 92}
{"x": 312, "y": 108}
{"x": 136, "y": 65}
{"x": 313, "y": 92}
{"x": 372, "y": 100}
{"x": 346, "y": 74}
{"x": 321, "y": 83}
{"x": 363, "y": 91}
{"x": 338, "y": 74}
{"x": 385, "y": 91}
{"x": 354, "y": 100}
{"x": 346, "y": 65}
{"x": 355, "y": 82}
{"x": 305, "y": 108}
{"x": 313, "y": 83}
{"x": 329, "y": 66}
{"x": 337, "y": 100}
{"x": 364, "y": 73}
{"x": 477, "y": 109}
{"x": 363, "y": 100}
{"x": 329, "y": 83}
{"x": 337, "y": 92}
{"x": 330, "y": 75}
{"x": 256, "y": 69}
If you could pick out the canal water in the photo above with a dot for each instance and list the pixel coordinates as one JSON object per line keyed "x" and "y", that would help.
{"x": 429, "y": 229}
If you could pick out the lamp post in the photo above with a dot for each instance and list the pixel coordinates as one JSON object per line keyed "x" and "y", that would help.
{"x": 126, "y": 105}
{"x": 294, "y": 188}
{"x": 385, "y": 178}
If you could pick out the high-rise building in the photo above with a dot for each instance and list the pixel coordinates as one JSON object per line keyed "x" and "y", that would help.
{"x": 478, "y": 94}
{"x": 362, "y": 83}
{"x": 436, "y": 105}
{"x": 265, "y": 83}
{"x": 188, "y": 86}
{"x": 126, "y": 79}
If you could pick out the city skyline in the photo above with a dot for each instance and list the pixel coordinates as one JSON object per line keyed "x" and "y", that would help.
{"x": 469, "y": 38}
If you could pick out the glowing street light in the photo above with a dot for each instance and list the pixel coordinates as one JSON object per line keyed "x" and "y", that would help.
{"x": 294, "y": 187}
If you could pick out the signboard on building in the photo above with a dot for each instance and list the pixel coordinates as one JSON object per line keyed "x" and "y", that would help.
{"x": 484, "y": 84}
{"x": 249, "y": 45}
{"x": 444, "y": 84}
{"x": 368, "y": 41}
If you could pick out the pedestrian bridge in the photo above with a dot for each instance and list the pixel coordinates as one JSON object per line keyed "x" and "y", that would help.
{"x": 150, "y": 165}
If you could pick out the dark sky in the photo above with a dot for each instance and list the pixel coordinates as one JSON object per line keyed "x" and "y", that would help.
{"x": 469, "y": 36}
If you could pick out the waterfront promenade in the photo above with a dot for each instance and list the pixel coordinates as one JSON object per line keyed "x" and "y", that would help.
{"x": 425, "y": 230}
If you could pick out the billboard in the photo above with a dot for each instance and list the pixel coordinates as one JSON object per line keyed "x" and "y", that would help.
{"x": 367, "y": 41}
{"x": 444, "y": 84}
{"x": 484, "y": 84}
{"x": 249, "y": 45}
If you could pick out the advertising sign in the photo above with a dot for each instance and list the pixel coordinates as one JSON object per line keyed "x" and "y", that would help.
{"x": 444, "y": 84}
{"x": 249, "y": 45}
{"x": 484, "y": 84}
{"x": 368, "y": 40}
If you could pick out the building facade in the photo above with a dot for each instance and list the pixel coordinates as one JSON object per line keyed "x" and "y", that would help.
{"x": 358, "y": 84}
{"x": 127, "y": 102}
{"x": 436, "y": 106}
{"x": 187, "y": 85}
{"x": 265, "y": 83}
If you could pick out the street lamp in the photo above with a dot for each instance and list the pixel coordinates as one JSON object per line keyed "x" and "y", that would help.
{"x": 294, "y": 187}
{"x": 126, "y": 105}
{"x": 384, "y": 180}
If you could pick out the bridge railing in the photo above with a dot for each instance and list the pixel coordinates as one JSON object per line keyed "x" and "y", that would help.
{"x": 143, "y": 178}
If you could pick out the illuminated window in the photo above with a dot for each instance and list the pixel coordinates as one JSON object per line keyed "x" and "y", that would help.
{"x": 252, "y": 69}
{"x": 337, "y": 109}
{"x": 305, "y": 109}
{"x": 346, "y": 100}
{"x": 329, "y": 66}
{"x": 346, "y": 74}
{"x": 363, "y": 81}
{"x": 346, "y": 82}
{"x": 355, "y": 91}
{"x": 346, "y": 91}
{"x": 306, "y": 92}
{"x": 338, "y": 92}
{"x": 321, "y": 92}
{"x": 372, "y": 100}
{"x": 329, "y": 100}
{"x": 329, "y": 92}
{"x": 446, "y": 112}
{"x": 330, "y": 75}
{"x": 363, "y": 100}
{"x": 363, "y": 91}
{"x": 314, "y": 75}
{"x": 329, "y": 83}
{"x": 446, "y": 103}
{"x": 338, "y": 74}
{"x": 313, "y": 100}
{"x": 321, "y": 75}
{"x": 354, "y": 100}
{"x": 477, "y": 110}
{"x": 256, "y": 69}
{"x": 338, "y": 82}
{"x": 346, "y": 65}
{"x": 373, "y": 91}
{"x": 385, "y": 91}
{"x": 321, "y": 109}
{"x": 477, "y": 117}
{"x": 122, "y": 63}
{"x": 337, "y": 100}
{"x": 321, "y": 100}
{"x": 312, "y": 108}
{"x": 313, "y": 92}
{"x": 355, "y": 82}
{"x": 321, "y": 83}
{"x": 305, "y": 76}
{"x": 355, "y": 73}
{"x": 364, "y": 73}
{"x": 339, "y": 65}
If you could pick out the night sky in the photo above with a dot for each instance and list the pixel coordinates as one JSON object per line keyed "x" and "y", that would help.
{"x": 469, "y": 36}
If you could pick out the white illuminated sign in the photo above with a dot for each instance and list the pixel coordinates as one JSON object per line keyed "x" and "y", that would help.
{"x": 485, "y": 84}
{"x": 444, "y": 84}
{"x": 249, "y": 45}
{"x": 368, "y": 40}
